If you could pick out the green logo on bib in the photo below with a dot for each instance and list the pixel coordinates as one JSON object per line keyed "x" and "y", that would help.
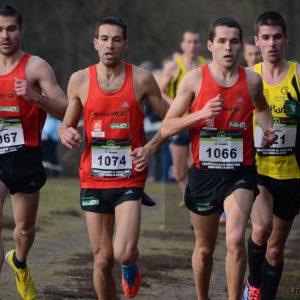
{"x": 110, "y": 143}
{"x": 221, "y": 134}
{"x": 276, "y": 121}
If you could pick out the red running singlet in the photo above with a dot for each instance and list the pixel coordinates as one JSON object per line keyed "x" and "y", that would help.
{"x": 226, "y": 140}
{"x": 113, "y": 125}
{"x": 21, "y": 121}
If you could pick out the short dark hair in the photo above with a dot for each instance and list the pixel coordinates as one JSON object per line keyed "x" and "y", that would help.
{"x": 113, "y": 21}
{"x": 270, "y": 18}
{"x": 11, "y": 11}
{"x": 189, "y": 31}
{"x": 249, "y": 41}
{"x": 224, "y": 21}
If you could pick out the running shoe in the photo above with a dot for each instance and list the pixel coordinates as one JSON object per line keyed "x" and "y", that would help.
{"x": 131, "y": 280}
{"x": 24, "y": 281}
{"x": 251, "y": 292}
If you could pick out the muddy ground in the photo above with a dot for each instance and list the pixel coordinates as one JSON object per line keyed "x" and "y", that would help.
{"x": 61, "y": 261}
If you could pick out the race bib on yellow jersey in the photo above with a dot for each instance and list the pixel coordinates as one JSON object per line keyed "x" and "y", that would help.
{"x": 11, "y": 135}
{"x": 111, "y": 158}
{"x": 221, "y": 149}
{"x": 285, "y": 138}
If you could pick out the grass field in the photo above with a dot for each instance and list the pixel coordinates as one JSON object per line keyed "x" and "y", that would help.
{"x": 61, "y": 261}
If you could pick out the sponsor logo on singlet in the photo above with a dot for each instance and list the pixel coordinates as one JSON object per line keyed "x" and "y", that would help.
{"x": 9, "y": 108}
{"x": 119, "y": 125}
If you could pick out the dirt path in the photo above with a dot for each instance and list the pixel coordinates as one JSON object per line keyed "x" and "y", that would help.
{"x": 61, "y": 261}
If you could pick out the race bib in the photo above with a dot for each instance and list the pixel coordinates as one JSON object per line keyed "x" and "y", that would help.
{"x": 11, "y": 135}
{"x": 111, "y": 158}
{"x": 285, "y": 138}
{"x": 221, "y": 149}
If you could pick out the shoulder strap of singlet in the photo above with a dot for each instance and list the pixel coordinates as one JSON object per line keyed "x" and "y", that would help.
{"x": 204, "y": 69}
{"x": 295, "y": 80}
{"x": 242, "y": 72}
{"x": 129, "y": 77}
{"x": 180, "y": 63}
{"x": 92, "y": 82}
{"x": 206, "y": 78}
{"x": 295, "y": 84}
{"x": 257, "y": 68}
{"x": 24, "y": 58}
{"x": 19, "y": 70}
{"x": 128, "y": 87}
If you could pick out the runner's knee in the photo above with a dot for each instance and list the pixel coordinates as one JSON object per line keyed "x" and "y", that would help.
{"x": 235, "y": 242}
{"x": 261, "y": 231}
{"x": 24, "y": 231}
{"x": 103, "y": 261}
{"x": 126, "y": 256}
{"x": 179, "y": 175}
{"x": 204, "y": 252}
{"x": 275, "y": 256}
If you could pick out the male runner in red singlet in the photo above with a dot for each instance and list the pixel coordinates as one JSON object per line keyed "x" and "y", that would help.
{"x": 220, "y": 97}
{"x": 252, "y": 56}
{"x": 112, "y": 170}
{"x": 28, "y": 90}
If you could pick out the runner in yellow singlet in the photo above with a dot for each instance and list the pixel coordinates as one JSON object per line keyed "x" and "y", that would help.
{"x": 279, "y": 175}
{"x": 172, "y": 75}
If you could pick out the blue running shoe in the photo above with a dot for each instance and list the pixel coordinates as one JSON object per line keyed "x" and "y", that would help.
{"x": 131, "y": 280}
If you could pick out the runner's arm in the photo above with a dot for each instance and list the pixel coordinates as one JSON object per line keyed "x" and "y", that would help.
{"x": 152, "y": 94}
{"x": 41, "y": 80}
{"x": 169, "y": 70}
{"x": 67, "y": 132}
{"x": 174, "y": 121}
{"x": 292, "y": 106}
{"x": 262, "y": 109}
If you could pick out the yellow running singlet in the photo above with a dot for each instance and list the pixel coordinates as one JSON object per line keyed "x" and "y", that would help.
{"x": 173, "y": 86}
{"x": 279, "y": 161}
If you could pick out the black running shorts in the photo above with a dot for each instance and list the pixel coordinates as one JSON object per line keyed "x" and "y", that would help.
{"x": 181, "y": 139}
{"x": 286, "y": 196}
{"x": 105, "y": 200}
{"x": 22, "y": 171}
{"x": 207, "y": 189}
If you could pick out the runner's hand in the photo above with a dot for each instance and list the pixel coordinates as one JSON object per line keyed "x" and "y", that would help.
{"x": 24, "y": 89}
{"x": 212, "y": 108}
{"x": 292, "y": 107}
{"x": 70, "y": 137}
{"x": 268, "y": 138}
{"x": 140, "y": 158}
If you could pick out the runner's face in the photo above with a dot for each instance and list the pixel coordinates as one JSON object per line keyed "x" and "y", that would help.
{"x": 252, "y": 55}
{"x": 271, "y": 41}
{"x": 110, "y": 44}
{"x": 10, "y": 35}
{"x": 226, "y": 46}
{"x": 190, "y": 44}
